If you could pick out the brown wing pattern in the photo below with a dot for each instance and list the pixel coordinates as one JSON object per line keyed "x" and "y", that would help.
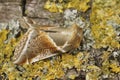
{"x": 41, "y": 45}
{"x": 43, "y": 42}
{"x": 38, "y": 43}
{"x": 20, "y": 45}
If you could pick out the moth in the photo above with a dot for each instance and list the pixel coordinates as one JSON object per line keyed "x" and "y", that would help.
{"x": 43, "y": 42}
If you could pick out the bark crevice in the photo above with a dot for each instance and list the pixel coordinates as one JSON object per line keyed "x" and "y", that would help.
{"x": 23, "y": 7}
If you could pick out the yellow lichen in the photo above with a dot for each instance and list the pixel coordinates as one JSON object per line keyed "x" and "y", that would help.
{"x": 104, "y": 36}
{"x": 6, "y": 51}
{"x": 103, "y": 33}
{"x": 115, "y": 68}
{"x": 81, "y": 5}
{"x": 67, "y": 62}
{"x": 53, "y": 7}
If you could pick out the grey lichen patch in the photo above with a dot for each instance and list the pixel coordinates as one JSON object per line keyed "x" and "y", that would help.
{"x": 88, "y": 40}
{"x": 13, "y": 27}
{"x": 72, "y": 17}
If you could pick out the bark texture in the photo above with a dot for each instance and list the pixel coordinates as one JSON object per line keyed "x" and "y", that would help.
{"x": 14, "y": 9}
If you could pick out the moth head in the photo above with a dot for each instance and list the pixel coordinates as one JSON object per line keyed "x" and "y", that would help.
{"x": 26, "y": 22}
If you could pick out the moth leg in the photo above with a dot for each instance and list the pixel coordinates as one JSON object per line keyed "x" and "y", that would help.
{"x": 66, "y": 44}
{"x": 61, "y": 50}
{"x": 43, "y": 56}
{"x": 27, "y": 61}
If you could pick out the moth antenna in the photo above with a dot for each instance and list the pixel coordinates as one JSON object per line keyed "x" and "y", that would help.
{"x": 29, "y": 22}
{"x": 26, "y": 20}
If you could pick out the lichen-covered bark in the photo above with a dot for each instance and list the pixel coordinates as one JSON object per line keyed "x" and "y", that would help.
{"x": 97, "y": 58}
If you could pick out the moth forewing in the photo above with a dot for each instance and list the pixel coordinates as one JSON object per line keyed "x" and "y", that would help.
{"x": 20, "y": 50}
{"x": 36, "y": 43}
